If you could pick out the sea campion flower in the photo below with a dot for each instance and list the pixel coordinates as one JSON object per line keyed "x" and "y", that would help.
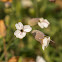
{"x": 40, "y": 59}
{"x": 21, "y": 30}
{"x": 45, "y": 42}
{"x": 43, "y": 23}
{"x": 42, "y": 38}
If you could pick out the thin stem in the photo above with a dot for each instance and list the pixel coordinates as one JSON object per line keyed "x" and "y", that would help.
{"x": 36, "y": 7}
{"x": 9, "y": 44}
{"x": 47, "y": 56}
{"x": 5, "y": 50}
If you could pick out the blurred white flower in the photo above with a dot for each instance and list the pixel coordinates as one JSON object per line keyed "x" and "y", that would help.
{"x": 7, "y": 4}
{"x": 26, "y": 3}
{"x": 43, "y": 23}
{"x": 21, "y": 30}
{"x": 40, "y": 59}
{"x": 46, "y": 42}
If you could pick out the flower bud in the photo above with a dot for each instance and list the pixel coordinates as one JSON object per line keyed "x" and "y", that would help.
{"x": 38, "y": 35}
{"x": 33, "y": 21}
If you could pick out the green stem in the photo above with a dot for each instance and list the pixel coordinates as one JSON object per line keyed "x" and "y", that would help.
{"x": 47, "y": 56}
{"x": 18, "y": 8}
{"x": 5, "y": 49}
{"x": 36, "y": 8}
{"x": 9, "y": 44}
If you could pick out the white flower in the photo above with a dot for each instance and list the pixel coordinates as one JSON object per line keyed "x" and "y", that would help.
{"x": 43, "y": 23}
{"x": 21, "y": 30}
{"x": 46, "y": 42}
{"x": 40, "y": 59}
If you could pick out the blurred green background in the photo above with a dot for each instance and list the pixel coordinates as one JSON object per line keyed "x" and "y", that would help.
{"x": 20, "y": 11}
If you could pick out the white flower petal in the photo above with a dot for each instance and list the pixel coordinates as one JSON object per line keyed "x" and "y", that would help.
{"x": 27, "y": 28}
{"x": 19, "y": 26}
{"x": 46, "y": 42}
{"x": 19, "y": 34}
{"x": 40, "y": 59}
{"x": 43, "y": 47}
{"x": 23, "y": 34}
{"x": 45, "y": 25}
{"x": 40, "y": 24}
{"x": 16, "y": 32}
{"x": 46, "y": 21}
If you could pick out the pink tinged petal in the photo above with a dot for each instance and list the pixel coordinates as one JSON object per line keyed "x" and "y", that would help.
{"x": 16, "y": 33}
{"x": 45, "y": 25}
{"x": 19, "y": 26}
{"x": 19, "y": 34}
{"x": 46, "y": 21}
{"x": 22, "y": 35}
{"x": 27, "y": 28}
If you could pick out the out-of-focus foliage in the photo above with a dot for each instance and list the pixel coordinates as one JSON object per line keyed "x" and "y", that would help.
{"x": 28, "y": 46}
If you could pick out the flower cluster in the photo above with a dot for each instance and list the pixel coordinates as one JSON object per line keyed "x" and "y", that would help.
{"x": 38, "y": 35}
